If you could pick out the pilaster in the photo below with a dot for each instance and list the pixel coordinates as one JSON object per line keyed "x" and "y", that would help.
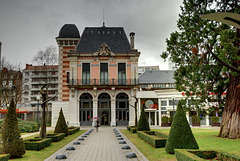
{"x": 113, "y": 112}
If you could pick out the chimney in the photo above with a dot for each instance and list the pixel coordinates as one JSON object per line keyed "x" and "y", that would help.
{"x": 132, "y": 34}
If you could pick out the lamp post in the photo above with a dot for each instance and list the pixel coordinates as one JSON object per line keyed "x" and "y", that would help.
{"x": 173, "y": 106}
{"x": 38, "y": 98}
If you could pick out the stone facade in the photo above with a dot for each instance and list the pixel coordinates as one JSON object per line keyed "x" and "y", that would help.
{"x": 97, "y": 77}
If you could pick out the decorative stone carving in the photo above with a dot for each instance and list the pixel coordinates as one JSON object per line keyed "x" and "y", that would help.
{"x": 104, "y": 50}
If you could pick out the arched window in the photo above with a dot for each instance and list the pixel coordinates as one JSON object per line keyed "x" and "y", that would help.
{"x": 86, "y": 100}
{"x": 122, "y": 100}
{"x": 104, "y": 100}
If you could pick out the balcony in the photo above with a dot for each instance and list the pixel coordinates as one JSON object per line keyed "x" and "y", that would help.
{"x": 102, "y": 82}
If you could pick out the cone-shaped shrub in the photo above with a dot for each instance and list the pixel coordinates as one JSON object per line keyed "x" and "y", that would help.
{"x": 180, "y": 136}
{"x": 61, "y": 126}
{"x": 143, "y": 123}
{"x": 11, "y": 136}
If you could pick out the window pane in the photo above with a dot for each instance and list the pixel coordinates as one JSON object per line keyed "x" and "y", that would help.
{"x": 104, "y": 67}
{"x": 86, "y": 67}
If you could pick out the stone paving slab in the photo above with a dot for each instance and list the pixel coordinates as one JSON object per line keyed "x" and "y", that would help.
{"x": 99, "y": 146}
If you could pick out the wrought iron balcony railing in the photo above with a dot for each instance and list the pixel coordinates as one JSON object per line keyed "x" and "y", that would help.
{"x": 75, "y": 82}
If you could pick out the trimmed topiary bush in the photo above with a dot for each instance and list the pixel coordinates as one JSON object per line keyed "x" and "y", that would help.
{"x": 215, "y": 119}
{"x": 4, "y": 157}
{"x": 143, "y": 123}
{"x": 180, "y": 136}
{"x": 11, "y": 136}
{"x": 61, "y": 126}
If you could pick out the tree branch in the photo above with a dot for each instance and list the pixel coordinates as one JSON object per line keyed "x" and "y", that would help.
{"x": 223, "y": 63}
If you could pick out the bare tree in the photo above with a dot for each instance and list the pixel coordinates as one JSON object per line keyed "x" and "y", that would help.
{"x": 10, "y": 83}
{"x": 46, "y": 58}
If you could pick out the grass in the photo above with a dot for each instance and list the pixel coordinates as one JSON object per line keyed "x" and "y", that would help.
{"x": 206, "y": 139}
{"x": 47, "y": 151}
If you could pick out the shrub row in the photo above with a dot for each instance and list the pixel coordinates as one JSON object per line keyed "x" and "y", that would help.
{"x": 72, "y": 130}
{"x": 201, "y": 155}
{"x": 24, "y": 126}
{"x": 162, "y": 135}
{"x": 37, "y": 143}
{"x": 4, "y": 157}
{"x": 56, "y": 137}
{"x": 133, "y": 129}
{"x": 149, "y": 137}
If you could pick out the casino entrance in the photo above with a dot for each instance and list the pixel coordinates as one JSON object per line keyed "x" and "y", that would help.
{"x": 104, "y": 109}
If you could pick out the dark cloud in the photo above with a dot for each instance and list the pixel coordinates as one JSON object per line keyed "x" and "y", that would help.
{"x": 30, "y": 25}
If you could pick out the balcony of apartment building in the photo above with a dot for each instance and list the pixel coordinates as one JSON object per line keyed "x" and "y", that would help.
{"x": 84, "y": 83}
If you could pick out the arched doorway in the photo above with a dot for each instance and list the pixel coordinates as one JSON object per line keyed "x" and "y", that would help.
{"x": 85, "y": 109}
{"x": 122, "y": 109}
{"x": 104, "y": 109}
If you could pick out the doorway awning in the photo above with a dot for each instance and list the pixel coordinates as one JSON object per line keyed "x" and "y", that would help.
{"x": 17, "y": 110}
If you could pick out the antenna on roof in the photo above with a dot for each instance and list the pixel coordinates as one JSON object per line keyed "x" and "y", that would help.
{"x": 103, "y": 19}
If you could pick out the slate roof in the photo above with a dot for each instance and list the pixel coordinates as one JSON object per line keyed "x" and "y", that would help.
{"x": 93, "y": 37}
{"x": 69, "y": 31}
{"x": 156, "y": 77}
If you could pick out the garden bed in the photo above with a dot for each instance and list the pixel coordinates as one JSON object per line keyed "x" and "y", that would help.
{"x": 4, "y": 157}
{"x": 201, "y": 155}
{"x": 151, "y": 138}
{"x": 37, "y": 143}
{"x": 72, "y": 130}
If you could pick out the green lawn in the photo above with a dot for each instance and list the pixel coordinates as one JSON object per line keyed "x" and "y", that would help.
{"x": 47, "y": 151}
{"x": 206, "y": 138}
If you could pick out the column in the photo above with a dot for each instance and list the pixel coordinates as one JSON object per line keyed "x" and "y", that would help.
{"x": 187, "y": 116}
{"x": 159, "y": 112}
{"x": 95, "y": 109}
{"x": 113, "y": 112}
{"x": 139, "y": 109}
{"x": 207, "y": 120}
{"x": 155, "y": 118}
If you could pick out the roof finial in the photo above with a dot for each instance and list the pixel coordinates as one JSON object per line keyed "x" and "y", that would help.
{"x": 103, "y": 19}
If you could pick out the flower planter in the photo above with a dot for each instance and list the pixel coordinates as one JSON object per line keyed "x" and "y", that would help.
{"x": 165, "y": 124}
{"x": 195, "y": 124}
{"x": 215, "y": 124}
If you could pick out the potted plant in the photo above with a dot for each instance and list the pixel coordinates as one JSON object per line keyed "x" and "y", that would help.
{"x": 195, "y": 120}
{"x": 215, "y": 121}
{"x": 165, "y": 122}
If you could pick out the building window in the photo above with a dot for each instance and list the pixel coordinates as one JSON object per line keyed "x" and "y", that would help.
{"x": 171, "y": 102}
{"x": 163, "y": 103}
{"x": 86, "y": 73}
{"x": 104, "y": 73}
{"x": 121, "y": 73}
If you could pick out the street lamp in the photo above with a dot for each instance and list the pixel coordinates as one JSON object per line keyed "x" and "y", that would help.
{"x": 38, "y": 98}
{"x": 228, "y": 18}
{"x": 173, "y": 105}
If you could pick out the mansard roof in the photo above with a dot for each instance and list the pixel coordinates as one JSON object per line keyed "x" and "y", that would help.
{"x": 157, "y": 77}
{"x": 93, "y": 37}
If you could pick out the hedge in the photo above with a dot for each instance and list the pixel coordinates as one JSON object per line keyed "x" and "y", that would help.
{"x": 24, "y": 126}
{"x": 56, "y": 137}
{"x": 149, "y": 137}
{"x": 201, "y": 155}
{"x": 37, "y": 143}
{"x": 72, "y": 130}
{"x": 4, "y": 157}
{"x": 162, "y": 135}
{"x": 133, "y": 129}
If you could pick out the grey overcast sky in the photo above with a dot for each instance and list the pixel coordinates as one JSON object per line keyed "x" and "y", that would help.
{"x": 29, "y": 25}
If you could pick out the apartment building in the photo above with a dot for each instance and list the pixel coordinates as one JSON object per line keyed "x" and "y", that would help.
{"x": 34, "y": 77}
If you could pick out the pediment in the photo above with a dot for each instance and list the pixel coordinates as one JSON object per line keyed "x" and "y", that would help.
{"x": 104, "y": 50}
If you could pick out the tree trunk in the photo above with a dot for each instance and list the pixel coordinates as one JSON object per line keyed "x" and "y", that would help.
{"x": 230, "y": 125}
{"x": 43, "y": 125}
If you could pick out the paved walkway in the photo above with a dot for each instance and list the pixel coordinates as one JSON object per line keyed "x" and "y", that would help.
{"x": 99, "y": 146}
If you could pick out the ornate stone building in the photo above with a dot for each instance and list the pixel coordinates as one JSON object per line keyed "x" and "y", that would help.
{"x": 98, "y": 76}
